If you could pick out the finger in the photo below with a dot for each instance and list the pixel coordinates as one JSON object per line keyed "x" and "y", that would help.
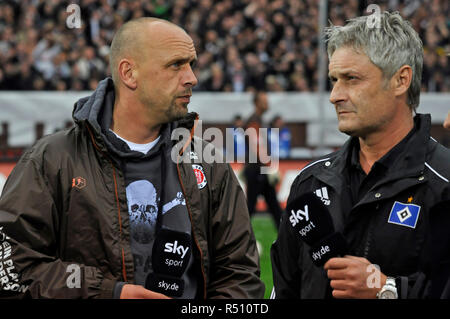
{"x": 336, "y": 273}
{"x": 161, "y": 296}
{"x": 336, "y": 263}
{"x": 340, "y": 294}
{"x": 338, "y": 284}
{"x": 155, "y": 295}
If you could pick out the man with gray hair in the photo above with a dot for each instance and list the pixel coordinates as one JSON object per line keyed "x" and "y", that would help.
{"x": 388, "y": 186}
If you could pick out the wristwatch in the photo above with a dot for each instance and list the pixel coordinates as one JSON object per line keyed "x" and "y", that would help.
{"x": 389, "y": 290}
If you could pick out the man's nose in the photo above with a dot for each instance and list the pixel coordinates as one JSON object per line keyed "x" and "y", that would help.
{"x": 338, "y": 93}
{"x": 189, "y": 79}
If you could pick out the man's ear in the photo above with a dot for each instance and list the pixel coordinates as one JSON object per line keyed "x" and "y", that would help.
{"x": 127, "y": 73}
{"x": 401, "y": 81}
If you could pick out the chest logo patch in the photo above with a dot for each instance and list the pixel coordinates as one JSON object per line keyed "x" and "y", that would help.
{"x": 199, "y": 175}
{"x": 78, "y": 182}
{"x": 322, "y": 193}
{"x": 404, "y": 214}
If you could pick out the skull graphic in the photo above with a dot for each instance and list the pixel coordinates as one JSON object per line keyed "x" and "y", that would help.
{"x": 143, "y": 210}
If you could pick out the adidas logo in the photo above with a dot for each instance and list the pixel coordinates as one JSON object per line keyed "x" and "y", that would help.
{"x": 322, "y": 193}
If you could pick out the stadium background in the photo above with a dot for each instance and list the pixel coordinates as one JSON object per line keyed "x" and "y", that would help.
{"x": 242, "y": 46}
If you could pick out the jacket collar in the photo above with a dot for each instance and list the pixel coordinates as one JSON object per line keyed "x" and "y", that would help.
{"x": 409, "y": 162}
{"x": 96, "y": 110}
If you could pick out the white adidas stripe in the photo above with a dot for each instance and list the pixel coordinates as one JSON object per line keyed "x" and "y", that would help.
{"x": 313, "y": 163}
{"x": 437, "y": 174}
{"x": 272, "y": 294}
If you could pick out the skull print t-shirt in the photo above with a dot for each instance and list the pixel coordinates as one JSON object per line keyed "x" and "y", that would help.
{"x": 144, "y": 187}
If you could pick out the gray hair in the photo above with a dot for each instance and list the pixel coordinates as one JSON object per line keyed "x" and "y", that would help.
{"x": 389, "y": 45}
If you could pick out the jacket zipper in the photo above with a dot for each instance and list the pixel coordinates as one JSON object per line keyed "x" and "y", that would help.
{"x": 116, "y": 194}
{"x": 367, "y": 244}
{"x": 189, "y": 210}
{"x": 124, "y": 270}
{"x": 365, "y": 252}
{"x": 195, "y": 239}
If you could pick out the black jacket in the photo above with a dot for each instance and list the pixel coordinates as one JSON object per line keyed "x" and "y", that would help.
{"x": 417, "y": 256}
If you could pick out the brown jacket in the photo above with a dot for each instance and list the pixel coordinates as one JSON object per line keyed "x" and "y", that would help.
{"x": 65, "y": 229}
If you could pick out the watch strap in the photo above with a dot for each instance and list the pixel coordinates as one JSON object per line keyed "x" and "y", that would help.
{"x": 389, "y": 285}
{"x": 391, "y": 281}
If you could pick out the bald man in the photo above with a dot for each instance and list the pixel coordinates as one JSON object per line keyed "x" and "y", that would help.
{"x": 103, "y": 211}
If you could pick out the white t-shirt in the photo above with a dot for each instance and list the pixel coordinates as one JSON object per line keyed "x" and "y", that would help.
{"x": 143, "y": 148}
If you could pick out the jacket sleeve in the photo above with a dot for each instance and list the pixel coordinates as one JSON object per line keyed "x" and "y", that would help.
{"x": 29, "y": 242}
{"x": 440, "y": 225}
{"x": 235, "y": 267}
{"x": 285, "y": 252}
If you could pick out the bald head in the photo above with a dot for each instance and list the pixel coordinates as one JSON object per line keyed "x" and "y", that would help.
{"x": 151, "y": 64}
{"x": 133, "y": 37}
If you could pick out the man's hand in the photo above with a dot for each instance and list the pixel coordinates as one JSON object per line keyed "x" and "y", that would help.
{"x": 138, "y": 292}
{"x": 349, "y": 277}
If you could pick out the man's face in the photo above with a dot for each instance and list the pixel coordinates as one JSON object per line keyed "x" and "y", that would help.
{"x": 364, "y": 102}
{"x": 165, "y": 77}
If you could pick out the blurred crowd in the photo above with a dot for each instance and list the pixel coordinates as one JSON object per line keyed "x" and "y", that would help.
{"x": 242, "y": 45}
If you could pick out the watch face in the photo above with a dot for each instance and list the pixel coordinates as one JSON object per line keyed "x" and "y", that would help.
{"x": 387, "y": 294}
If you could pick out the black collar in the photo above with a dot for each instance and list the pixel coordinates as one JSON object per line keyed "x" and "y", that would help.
{"x": 388, "y": 160}
{"x": 410, "y": 162}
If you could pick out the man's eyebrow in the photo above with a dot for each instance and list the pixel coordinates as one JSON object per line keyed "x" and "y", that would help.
{"x": 332, "y": 78}
{"x": 344, "y": 73}
{"x": 182, "y": 60}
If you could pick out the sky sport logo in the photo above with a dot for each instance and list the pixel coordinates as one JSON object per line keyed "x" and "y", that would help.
{"x": 168, "y": 286}
{"x": 300, "y": 215}
{"x": 176, "y": 248}
{"x": 322, "y": 251}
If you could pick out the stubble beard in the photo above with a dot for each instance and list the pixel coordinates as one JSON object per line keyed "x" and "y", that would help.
{"x": 360, "y": 131}
{"x": 176, "y": 112}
